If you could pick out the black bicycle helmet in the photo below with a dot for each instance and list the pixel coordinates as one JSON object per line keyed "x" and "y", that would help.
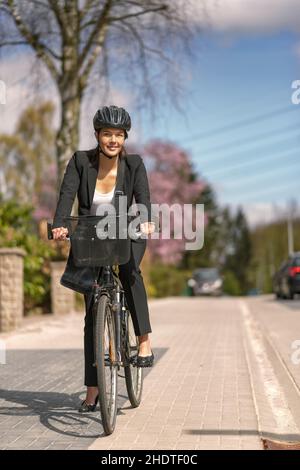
{"x": 112, "y": 116}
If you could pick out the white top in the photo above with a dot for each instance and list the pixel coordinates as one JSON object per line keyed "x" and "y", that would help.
{"x": 101, "y": 198}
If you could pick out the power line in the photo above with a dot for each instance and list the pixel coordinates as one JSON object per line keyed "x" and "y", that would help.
{"x": 257, "y": 177}
{"x": 244, "y": 122}
{"x": 266, "y": 148}
{"x": 279, "y": 187}
{"x": 239, "y": 107}
{"x": 251, "y": 139}
{"x": 254, "y": 161}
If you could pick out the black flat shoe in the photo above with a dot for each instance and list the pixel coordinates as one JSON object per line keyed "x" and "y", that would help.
{"x": 86, "y": 408}
{"x": 145, "y": 361}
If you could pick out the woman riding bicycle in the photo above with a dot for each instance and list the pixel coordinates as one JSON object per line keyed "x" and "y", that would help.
{"x": 92, "y": 174}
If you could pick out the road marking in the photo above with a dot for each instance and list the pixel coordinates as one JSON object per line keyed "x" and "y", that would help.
{"x": 2, "y": 352}
{"x": 274, "y": 394}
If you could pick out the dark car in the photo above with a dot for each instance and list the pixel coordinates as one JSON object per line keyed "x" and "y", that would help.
{"x": 286, "y": 281}
{"x": 206, "y": 281}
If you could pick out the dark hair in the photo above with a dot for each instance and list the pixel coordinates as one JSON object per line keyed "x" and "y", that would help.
{"x": 125, "y": 132}
{"x": 123, "y": 152}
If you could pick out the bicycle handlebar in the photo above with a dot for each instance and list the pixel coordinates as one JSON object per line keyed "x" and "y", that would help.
{"x": 50, "y": 233}
{"x": 80, "y": 218}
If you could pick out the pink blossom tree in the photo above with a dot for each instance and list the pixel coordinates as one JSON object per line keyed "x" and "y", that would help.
{"x": 172, "y": 180}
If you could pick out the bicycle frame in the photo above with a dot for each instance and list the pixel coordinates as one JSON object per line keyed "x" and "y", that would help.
{"x": 108, "y": 282}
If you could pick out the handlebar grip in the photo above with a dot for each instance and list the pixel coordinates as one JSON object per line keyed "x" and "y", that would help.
{"x": 49, "y": 231}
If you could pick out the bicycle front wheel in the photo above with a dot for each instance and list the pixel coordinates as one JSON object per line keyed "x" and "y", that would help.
{"x": 133, "y": 374}
{"x": 106, "y": 361}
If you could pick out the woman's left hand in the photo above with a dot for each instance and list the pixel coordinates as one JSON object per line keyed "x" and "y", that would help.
{"x": 148, "y": 227}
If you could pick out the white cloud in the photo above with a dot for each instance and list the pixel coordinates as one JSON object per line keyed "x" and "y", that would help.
{"x": 245, "y": 16}
{"x": 27, "y": 82}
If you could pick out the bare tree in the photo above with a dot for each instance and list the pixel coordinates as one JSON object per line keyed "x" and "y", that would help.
{"x": 82, "y": 42}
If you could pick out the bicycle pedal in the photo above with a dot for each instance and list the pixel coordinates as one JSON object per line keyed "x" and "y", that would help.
{"x": 107, "y": 361}
{"x": 133, "y": 360}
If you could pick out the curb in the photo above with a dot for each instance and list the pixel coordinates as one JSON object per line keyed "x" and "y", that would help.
{"x": 289, "y": 391}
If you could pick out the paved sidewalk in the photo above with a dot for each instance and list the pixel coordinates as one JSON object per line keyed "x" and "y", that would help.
{"x": 200, "y": 394}
{"x": 41, "y": 387}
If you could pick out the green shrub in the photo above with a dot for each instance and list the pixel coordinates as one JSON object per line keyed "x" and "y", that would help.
{"x": 166, "y": 280}
{"x": 231, "y": 284}
{"x": 17, "y": 229}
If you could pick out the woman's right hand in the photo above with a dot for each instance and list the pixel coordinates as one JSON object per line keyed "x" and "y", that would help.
{"x": 59, "y": 233}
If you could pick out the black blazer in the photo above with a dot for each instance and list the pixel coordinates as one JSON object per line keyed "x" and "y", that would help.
{"x": 81, "y": 175}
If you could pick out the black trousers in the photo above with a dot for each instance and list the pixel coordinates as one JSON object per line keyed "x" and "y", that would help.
{"x": 136, "y": 297}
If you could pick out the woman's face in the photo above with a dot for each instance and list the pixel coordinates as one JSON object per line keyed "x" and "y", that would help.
{"x": 111, "y": 140}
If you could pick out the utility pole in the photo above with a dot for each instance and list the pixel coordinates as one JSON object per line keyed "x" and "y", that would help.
{"x": 290, "y": 235}
{"x": 271, "y": 259}
{"x": 291, "y": 210}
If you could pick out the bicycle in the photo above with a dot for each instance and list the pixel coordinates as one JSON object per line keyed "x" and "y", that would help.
{"x": 115, "y": 342}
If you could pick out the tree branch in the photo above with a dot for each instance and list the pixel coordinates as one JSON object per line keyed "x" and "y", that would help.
{"x": 40, "y": 4}
{"x": 87, "y": 7}
{"x": 14, "y": 43}
{"x": 92, "y": 59}
{"x": 59, "y": 14}
{"x": 33, "y": 40}
{"x": 96, "y": 37}
{"x": 25, "y": 43}
{"x": 147, "y": 48}
{"x": 143, "y": 58}
{"x": 112, "y": 19}
{"x": 51, "y": 52}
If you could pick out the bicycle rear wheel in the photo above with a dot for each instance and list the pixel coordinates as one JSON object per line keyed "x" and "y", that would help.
{"x": 106, "y": 360}
{"x": 133, "y": 374}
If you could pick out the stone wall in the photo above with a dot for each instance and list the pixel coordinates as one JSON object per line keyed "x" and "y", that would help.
{"x": 11, "y": 288}
{"x": 62, "y": 298}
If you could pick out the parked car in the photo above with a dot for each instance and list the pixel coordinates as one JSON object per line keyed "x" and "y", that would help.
{"x": 286, "y": 281}
{"x": 206, "y": 281}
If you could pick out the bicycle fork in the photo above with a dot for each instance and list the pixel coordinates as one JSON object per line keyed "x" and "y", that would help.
{"x": 119, "y": 309}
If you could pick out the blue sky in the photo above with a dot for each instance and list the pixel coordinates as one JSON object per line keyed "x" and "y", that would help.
{"x": 246, "y": 78}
